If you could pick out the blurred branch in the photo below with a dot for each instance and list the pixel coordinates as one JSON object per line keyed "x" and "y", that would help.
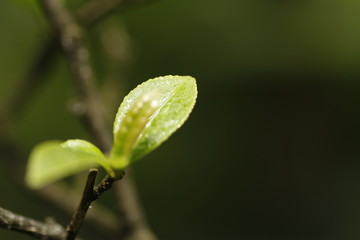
{"x": 30, "y": 84}
{"x": 136, "y": 226}
{"x": 70, "y": 35}
{"x": 95, "y": 10}
{"x": 87, "y": 15}
{"x": 49, "y": 230}
{"x": 72, "y": 42}
{"x": 28, "y": 88}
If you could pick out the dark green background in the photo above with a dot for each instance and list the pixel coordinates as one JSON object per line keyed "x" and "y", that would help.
{"x": 271, "y": 150}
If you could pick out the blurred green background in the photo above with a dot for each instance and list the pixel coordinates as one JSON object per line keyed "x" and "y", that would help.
{"x": 271, "y": 150}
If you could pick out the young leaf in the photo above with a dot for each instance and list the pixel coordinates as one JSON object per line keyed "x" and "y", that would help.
{"x": 149, "y": 114}
{"x": 53, "y": 160}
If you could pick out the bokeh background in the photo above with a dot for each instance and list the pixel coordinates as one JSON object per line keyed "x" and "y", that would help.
{"x": 271, "y": 150}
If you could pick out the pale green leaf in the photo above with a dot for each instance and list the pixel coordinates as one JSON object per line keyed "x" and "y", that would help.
{"x": 149, "y": 114}
{"x": 53, "y": 160}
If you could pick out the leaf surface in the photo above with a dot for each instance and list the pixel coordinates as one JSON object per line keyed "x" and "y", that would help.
{"x": 53, "y": 160}
{"x": 163, "y": 104}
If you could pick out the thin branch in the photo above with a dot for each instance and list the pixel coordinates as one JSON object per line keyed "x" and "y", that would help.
{"x": 105, "y": 185}
{"x": 27, "y": 89}
{"x": 87, "y": 15}
{"x": 71, "y": 38}
{"x": 87, "y": 199}
{"x": 135, "y": 227}
{"x": 72, "y": 42}
{"x": 95, "y": 10}
{"x": 101, "y": 218}
{"x": 50, "y": 230}
{"x": 29, "y": 85}
{"x": 90, "y": 194}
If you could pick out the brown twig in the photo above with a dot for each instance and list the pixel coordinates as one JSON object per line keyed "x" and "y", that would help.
{"x": 79, "y": 60}
{"x": 86, "y": 200}
{"x": 90, "y": 194}
{"x": 71, "y": 38}
{"x": 28, "y": 87}
{"x": 50, "y": 230}
{"x": 101, "y": 218}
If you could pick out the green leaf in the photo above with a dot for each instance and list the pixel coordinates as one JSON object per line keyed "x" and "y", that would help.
{"x": 53, "y": 160}
{"x": 149, "y": 114}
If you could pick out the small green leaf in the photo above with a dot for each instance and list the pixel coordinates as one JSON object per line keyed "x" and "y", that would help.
{"x": 53, "y": 160}
{"x": 149, "y": 114}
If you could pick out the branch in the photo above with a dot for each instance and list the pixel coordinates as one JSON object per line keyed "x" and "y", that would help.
{"x": 135, "y": 227}
{"x": 71, "y": 38}
{"x": 101, "y": 218}
{"x": 95, "y": 10}
{"x": 28, "y": 87}
{"x": 50, "y": 230}
{"x": 72, "y": 42}
{"x": 87, "y": 199}
{"x": 105, "y": 185}
{"x": 87, "y": 15}
{"x": 90, "y": 194}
